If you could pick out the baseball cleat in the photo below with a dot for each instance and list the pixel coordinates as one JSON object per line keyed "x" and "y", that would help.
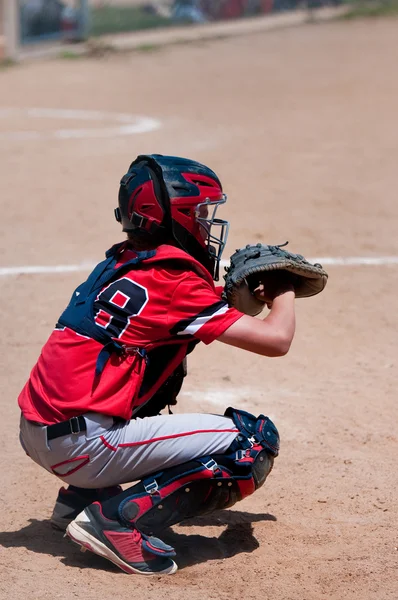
{"x": 130, "y": 550}
{"x": 70, "y": 503}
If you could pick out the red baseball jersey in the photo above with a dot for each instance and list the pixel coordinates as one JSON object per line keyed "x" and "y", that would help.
{"x": 168, "y": 301}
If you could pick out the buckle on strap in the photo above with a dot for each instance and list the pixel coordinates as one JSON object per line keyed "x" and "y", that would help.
{"x": 151, "y": 487}
{"x": 74, "y": 425}
{"x": 253, "y": 441}
{"x": 211, "y": 465}
{"x": 242, "y": 454}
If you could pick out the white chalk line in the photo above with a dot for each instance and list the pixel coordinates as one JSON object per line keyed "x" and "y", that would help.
{"x": 351, "y": 261}
{"x": 39, "y": 269}
{"x": 126, "y": 124}
{"x": 356, "y": 261}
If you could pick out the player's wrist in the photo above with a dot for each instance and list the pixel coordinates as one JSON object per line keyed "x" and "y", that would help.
{"x": 282, "y": 298}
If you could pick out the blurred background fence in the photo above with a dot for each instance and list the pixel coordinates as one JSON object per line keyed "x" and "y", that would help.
{"x": 35, "y": 21}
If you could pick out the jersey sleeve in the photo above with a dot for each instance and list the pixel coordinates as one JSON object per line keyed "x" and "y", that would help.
{"x": 197, "y": 310}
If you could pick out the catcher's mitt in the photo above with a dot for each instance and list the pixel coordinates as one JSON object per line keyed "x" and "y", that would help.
{"x": 251, "y": 265}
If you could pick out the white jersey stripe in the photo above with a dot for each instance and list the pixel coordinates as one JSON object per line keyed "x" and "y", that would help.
{"x": 200, "y": 321}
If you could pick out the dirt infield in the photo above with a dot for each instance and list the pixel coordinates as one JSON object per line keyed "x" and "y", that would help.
{"x": 301, "y": 126}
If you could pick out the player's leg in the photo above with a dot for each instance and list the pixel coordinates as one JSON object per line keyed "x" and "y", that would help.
{"x": 137, "y": 448}
{"x": 71, "y": 500}
{"x": 95, "y": 460}
{"x": 148, "y": 445}
{"x": 122, "y": 528}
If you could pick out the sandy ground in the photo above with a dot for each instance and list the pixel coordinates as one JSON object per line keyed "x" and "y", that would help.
{"x": 301, "y": 126}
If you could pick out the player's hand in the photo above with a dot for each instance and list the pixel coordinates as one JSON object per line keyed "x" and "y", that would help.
{"x": 273, "y": 285}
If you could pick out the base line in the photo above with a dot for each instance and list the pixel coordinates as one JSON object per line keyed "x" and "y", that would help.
{"x": 350, "y": 261}
{"x": 119, "y": 124}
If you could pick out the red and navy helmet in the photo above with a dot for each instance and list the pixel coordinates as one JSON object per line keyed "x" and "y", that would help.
{"x": 180, "y": 197}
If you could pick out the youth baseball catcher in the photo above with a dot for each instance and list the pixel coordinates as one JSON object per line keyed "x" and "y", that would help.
{"x": 117, "y": 357}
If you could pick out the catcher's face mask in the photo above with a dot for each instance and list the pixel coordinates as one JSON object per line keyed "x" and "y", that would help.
{"x": 214, "y": 231}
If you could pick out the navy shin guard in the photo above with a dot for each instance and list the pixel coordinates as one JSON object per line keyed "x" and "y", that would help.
{"x": 201, "y": 485}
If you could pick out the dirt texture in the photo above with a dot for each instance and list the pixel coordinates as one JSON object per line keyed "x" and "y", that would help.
{"x": 301, "y": 126}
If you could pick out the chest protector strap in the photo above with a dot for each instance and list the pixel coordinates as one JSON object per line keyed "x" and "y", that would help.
{"x": 79, "y": 314}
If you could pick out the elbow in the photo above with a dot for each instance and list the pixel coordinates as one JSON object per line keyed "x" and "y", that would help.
{"x": 284, "y": 345}
{"x": 280, "y": 347}
{"x": 283, "y": 348}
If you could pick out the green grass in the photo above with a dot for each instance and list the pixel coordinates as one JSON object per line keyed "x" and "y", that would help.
{"x": 117, "y": 19}
{"x": 371, "y": 8}
{"x": 7, "y": 63}
{"x": 70, "y": 55}
{"x": 148, "y": 47}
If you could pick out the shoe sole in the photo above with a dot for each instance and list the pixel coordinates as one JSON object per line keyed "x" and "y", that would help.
{"x": 88, "y": 542}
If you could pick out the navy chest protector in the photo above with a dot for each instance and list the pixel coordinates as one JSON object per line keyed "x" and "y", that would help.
{"x": 79, "y": 314}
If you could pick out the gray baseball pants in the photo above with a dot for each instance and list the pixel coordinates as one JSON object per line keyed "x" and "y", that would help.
{"x": 110, "y": 453}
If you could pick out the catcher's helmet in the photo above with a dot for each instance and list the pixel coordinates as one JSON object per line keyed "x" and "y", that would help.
{"x": 175, "y": 195}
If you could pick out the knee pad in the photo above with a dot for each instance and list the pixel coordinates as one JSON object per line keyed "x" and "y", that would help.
{"x": 255, "y": 447}
{"x": 257, "y": 431}
{"x": 205, "y": 484}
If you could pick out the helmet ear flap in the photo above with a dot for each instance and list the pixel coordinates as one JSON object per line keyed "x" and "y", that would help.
{"x": 118, "y": 215}
{"x": 142, "y": 203}
{"x": 157, "y": 174}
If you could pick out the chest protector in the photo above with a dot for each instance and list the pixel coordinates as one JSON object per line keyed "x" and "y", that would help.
{"x": 79, "y": 316}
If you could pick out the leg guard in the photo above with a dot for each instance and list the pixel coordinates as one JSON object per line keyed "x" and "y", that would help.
{"x": 258, "y": 430}
{"x": 202, "y": 485}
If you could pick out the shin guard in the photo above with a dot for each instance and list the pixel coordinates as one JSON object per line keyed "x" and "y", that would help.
{"x": 202, "y": 485}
